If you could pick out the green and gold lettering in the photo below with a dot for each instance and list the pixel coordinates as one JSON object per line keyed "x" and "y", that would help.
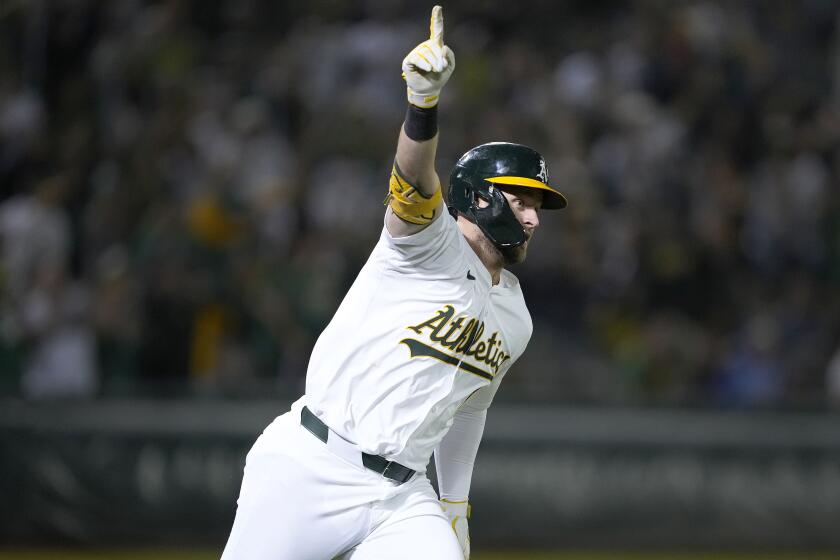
{"x": 463, "y": 335}
{"x": 480, "y": 347}
{"x": 453, "y": 328}
{"x": 437, "y": 322}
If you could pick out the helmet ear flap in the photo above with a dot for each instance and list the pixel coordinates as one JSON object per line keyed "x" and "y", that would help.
{"x": 497, "y": 221}
{"x": 483, "y": 203}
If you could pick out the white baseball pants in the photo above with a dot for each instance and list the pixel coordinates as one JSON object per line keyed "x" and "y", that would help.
{"x": 304, "y": 500}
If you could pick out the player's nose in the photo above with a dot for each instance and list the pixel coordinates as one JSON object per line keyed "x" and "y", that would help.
{"x": 530, "y": 218}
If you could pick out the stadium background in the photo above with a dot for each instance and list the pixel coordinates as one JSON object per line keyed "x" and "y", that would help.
{"x": 187, "y": 188}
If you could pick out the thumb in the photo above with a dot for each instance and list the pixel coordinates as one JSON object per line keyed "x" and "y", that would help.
{"x": 450, "y": 57}
{"x": 436, "y": 26}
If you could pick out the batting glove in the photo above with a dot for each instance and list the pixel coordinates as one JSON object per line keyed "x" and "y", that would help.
{"x": 458, "y": 513}
{"x": 428, "y": 66}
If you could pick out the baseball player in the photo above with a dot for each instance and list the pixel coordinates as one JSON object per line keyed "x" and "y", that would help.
{"x": 410, "y": 361}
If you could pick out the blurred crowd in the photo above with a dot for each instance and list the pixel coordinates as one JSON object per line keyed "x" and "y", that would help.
{"x": 189, "y": 187}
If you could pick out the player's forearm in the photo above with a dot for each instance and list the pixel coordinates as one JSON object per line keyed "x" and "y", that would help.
{"x": 456, "y": 453}
{"x": 416, "y": 156}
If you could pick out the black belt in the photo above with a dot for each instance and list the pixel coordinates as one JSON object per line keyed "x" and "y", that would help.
{"x": 388, "y": 469}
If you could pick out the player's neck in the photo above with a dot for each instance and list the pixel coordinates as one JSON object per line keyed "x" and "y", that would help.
{"x": 489, "y": 255}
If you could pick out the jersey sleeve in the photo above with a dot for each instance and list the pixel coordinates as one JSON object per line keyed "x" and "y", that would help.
{"x": 455, "y": 454}
{"x": 437, "y": 247}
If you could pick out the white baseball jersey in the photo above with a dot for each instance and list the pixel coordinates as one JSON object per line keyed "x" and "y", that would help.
{"x": 421, "y": 330}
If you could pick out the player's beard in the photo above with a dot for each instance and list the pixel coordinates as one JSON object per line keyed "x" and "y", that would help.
{"x": 505, "y": 256}
{"x": 514, "y": 255}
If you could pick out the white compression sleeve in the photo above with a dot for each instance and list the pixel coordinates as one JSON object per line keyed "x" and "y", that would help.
{"x": 455, "y": 455}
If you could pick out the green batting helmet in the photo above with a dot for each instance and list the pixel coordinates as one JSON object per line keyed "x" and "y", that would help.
{"x": 485, "y": 167}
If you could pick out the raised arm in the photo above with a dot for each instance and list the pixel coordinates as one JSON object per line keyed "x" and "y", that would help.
{"x": 415, "y": 198}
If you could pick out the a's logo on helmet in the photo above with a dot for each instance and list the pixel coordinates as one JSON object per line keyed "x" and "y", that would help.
{"x": 543, "y": 174}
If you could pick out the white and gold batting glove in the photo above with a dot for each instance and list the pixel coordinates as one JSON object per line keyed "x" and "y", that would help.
{"x": 458, "y": 513}
{"x": 428, "y": 66}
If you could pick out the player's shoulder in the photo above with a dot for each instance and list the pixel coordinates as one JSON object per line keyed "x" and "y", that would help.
{"x": 439, "y": 231}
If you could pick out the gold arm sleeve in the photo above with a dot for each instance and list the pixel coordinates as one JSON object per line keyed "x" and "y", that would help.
{"x": 409, "y": 203}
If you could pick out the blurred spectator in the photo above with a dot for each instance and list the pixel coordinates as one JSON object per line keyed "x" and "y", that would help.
{"x": 45, "y": 312}
{"x": 61, "y": 359}
{"x": 750, "y": 373}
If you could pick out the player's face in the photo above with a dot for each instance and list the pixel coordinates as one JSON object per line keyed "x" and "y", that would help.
{"x": 526, "y": 204}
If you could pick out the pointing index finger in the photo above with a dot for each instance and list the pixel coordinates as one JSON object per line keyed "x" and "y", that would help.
{"x": 436, "y": 26}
